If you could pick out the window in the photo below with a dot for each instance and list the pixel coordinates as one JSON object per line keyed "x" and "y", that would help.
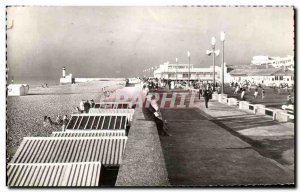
{"x": 172, "y": 75}
{"x": 186, "y": 75}
{"x": 280, "y": 77}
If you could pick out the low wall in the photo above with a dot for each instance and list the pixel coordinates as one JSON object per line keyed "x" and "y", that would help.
{"x": 143, "y": 161}
{"x": 215, "y": 96}
{"x": 222, "y": 98}
{"x": 232, "y": 101}
{"x": 259, "y": 109}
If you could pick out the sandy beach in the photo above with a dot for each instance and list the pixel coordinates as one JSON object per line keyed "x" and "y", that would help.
{"x": 25, "y": 114}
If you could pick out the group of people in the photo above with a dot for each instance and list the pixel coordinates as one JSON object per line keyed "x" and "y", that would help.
{"x": 283, "y": 88}
{"x": 44, "y": 86}
{"x": 60, "y": 121}
{"x": 245, "y": 86}
{"x": 85, "y": 105}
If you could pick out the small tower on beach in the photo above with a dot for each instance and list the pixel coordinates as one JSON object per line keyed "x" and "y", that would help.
{"x": 66, "y": 79}
{"x": 64, "y": 72}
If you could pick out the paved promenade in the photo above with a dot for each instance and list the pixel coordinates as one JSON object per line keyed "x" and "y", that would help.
{"x": 226, "y": 146}
{"x": 270, "y": 138}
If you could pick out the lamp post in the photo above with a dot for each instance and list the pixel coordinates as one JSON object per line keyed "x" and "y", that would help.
{"x": 214, "y": 53}
{"x": 176, "y": 67}
{"x": 189, "y": 56}
{"x": 152, "y": 71}
{"x": 222, "y": 37}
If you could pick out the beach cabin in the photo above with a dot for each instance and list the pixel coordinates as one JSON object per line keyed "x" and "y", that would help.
{"x": 17, "y": 89}
{"x": 26, "y": 88}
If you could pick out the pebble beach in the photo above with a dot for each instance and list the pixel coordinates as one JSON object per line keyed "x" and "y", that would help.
{"x": 25, "y": 114}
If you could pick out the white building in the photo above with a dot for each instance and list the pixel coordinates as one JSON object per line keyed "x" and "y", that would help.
{"x": 268, "y": 77}
{"x": 66, "y": 79}
{"x": 17, "y": 89}
{"x": 181, "y": 72}
{"x": 274, "y": 61}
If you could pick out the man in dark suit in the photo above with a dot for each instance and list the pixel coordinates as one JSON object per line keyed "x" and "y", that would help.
{"x": 207, "y": 96}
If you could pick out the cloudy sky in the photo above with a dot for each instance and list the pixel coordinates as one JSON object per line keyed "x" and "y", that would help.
{"x": 122, "y": 41}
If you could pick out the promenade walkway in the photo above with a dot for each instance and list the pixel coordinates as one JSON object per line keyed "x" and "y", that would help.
{"x": 226, "y": 146}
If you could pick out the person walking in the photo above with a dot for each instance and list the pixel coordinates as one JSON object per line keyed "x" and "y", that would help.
{"x": 243, "y": 95}
{"x": 236, "y": 90}
{"x": 200, "y": 90}
{"x": 206, "y": 96}
{"x": 255, "y": 93}
{"x": 262, "y": 93}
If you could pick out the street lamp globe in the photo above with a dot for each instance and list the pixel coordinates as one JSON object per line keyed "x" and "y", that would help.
{"x": 213, "y": 41}
{"x": 222, "y": 36}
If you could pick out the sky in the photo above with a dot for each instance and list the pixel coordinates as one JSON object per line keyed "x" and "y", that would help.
{"x": 123, "y": 41}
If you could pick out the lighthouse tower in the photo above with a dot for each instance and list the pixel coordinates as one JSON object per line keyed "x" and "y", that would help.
{"x": 66, "y": 79}
{"x": 64, "y": 72}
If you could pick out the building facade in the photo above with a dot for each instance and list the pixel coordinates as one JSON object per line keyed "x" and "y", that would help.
{"x": 257, "y": 74}
{"x": 276, "y": 62}
{"x": 182, "y": 71}
{"x": 268, "y": 77}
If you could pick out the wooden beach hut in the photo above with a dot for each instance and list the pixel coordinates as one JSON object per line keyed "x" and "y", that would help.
{"x": 17, "y": 89}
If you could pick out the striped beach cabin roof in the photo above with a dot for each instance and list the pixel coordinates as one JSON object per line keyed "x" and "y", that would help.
{"x": 128, "y": 112}
{"x": 98, "y": 121}
{"x": 113, "y": 105}
{"x": 85, "y": 174}
{"x": 106, "y": 150}
{"x": 100, "y": 133}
